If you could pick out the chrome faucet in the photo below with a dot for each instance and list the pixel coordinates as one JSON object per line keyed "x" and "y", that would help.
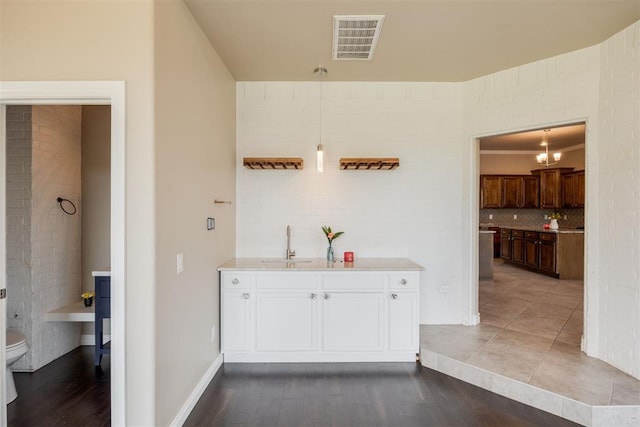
{"x": 290, "y": 253}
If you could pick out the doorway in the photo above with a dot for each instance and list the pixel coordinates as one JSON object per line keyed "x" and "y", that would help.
{"x": 83, "y": 93}
{"x": 519, "y": 192}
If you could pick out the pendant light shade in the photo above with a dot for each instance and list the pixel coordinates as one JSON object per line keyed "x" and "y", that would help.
{"x": 320, "y": 158}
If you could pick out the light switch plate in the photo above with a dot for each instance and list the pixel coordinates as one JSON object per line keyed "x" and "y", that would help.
{"x": 211, "y": 223}
{"x": 179, "y": 263}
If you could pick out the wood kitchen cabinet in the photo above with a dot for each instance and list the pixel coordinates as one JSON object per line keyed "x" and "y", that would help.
{"x": 551, "y": 191}
{"x": 505, "y": 243}
{"x": 517, "y": 246}
{"x": 490, "y": 192}
{"x": 509, "y": 191}
{"x": 531, "y": 246}
{"x": 560, "y": 255}
{"x": 547, "y": 257}
{"x": 573, "y": 189}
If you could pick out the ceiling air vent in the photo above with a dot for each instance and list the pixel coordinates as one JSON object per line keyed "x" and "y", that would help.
{"x": 355, "y": 36}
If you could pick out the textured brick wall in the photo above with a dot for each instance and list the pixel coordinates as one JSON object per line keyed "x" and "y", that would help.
{"x": 43, "y": 248}
{"x": 618, "y": 208}
{"x": 413, "y": 211}
{"x": 55, "y": 237}
{"x": 18, "y": 218}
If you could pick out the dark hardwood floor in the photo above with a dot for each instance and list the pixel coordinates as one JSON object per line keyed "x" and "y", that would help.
{"x": 354, "y": 394}
{"x": 69, "y": 391}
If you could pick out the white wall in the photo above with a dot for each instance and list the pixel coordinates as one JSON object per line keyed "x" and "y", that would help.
{"x": 413, "y": 211}
{"x": 96, "y": 197}
{"x": 617, "y": 301}
{"x": 194, "y": 156}
{"x": 104, "y": 40}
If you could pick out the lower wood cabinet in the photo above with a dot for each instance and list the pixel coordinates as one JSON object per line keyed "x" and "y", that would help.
{"x": 560, "y": 255}
{"x": 319, "y": 316}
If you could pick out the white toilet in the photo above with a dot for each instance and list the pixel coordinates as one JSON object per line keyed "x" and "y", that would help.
{"x": 16, "y": 348}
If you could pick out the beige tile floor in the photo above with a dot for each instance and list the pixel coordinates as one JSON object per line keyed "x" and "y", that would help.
{"x": 530, "y": 331}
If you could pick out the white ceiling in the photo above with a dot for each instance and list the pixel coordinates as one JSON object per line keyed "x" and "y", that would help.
{"x": 421, "y": 40}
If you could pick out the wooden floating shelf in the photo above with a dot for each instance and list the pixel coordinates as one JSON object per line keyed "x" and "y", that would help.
{"x": 273, "y": 163}
{"x": 369, "y": 163}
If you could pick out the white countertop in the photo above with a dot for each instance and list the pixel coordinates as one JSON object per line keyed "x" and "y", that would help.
{"x": 320, "y": 264}
{"x": 101, "y": 273}
{"x": 74, "y": 312}
{"x": 487, "y": 232}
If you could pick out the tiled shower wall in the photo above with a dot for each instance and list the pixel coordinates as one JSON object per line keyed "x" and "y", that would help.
{"x": 531, "y": 217}
{"x": 49, "y": 262}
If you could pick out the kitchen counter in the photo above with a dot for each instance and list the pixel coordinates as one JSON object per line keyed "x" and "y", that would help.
{"x": 537, "y": 228}
{"x": 320, "y": 264}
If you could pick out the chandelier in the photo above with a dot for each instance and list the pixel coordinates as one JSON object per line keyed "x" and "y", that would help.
{"x": 543, "y": 158}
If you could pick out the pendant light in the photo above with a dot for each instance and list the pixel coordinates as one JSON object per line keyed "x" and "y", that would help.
{"x": 320, "y": 72}
{"x": 543, "y": 158}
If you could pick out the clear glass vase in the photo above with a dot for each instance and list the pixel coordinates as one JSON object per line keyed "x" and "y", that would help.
{"x": 330, "y": 257}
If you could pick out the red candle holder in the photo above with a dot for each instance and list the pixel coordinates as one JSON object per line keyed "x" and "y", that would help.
{"x": 348, "y": 257}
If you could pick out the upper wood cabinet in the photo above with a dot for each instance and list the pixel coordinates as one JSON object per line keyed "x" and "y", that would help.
{"x": 573, "y": 190}
{"x": 490, "y": 192}
{"x": 509, "y": 191}
{"x": 551, "y": 187}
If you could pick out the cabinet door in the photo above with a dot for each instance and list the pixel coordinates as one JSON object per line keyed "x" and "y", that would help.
{"x": 548, "y": 252}
{"x": 531, "y": 254}
{"x": 568, "y": 181}
{"x": 531, "y": 192}
{"x": 505, "y": 243}
{"x": 550, "y": 189}
{"x": 517, "y": 246}
{"x": 490, "y": 192}
{"x": 286, "y": 321}
{"x": 352, "y": 321}
{"x": 403, "y": 321}
{"x": 512, "y": 196}
{"x": 578, "y": 190}
{"x": 236, "y": 321}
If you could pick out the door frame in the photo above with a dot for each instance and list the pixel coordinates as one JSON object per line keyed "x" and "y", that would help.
{"x": 82, "y": 93}
{"x": 471, "y": 312}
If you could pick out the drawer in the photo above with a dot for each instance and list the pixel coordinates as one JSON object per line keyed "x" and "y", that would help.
{"x": 548, "y": 237}
{"x": 231, "y": 280}
{"x": 289, "y": 280}
{"x": 505, "y": 232}
{"x": 102, "y": 287}
{"x": 531, "y": 235}
{"x": 354, "y": 281}
{"x": 517, "y": 233}
{"x": 404, "y": 281}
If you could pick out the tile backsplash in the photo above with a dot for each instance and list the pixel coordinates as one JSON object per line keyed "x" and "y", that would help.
{"x": 531, "y": 217}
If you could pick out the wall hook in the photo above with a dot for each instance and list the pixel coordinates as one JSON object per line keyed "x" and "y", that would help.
{"x": 60, "y": 201}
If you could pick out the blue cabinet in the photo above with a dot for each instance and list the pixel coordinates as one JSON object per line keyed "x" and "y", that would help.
{"x": 103, "y": 311}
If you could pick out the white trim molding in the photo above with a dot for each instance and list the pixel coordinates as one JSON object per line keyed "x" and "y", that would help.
{"x": 95, "y": 93}
{"x": 197, "y": 392}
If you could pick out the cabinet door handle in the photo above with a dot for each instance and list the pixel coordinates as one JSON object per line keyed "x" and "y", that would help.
{"x": 403, "y": 282}
{"x": 394, "y": 296}
{"x": 245, "y": 296}
{"x": 326, "y": 296}
{"x": 314, "y": 295}
{"x": 235, "y": 281}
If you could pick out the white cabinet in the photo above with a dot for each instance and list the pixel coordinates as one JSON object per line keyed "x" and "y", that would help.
{"x": 236, "y": 321}
{"x": 352, "y": 321}
{"x": 286, "y": 321}
{"x": 319, "y": 316}
{"x": 403, "y": 329}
